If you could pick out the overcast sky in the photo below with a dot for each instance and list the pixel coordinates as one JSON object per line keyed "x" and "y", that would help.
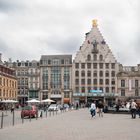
{"x": 31, "y": 28}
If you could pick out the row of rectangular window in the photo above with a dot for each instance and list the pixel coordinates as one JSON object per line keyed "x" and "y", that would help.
{"x": 123, "y": 92}
{"x": 95, "y": 73}
{"x": 8, "y": 93}
{"x": 95, "y": 65}
{"x": 123, "y": 83}
{"x": 95, "y": 81}
{"x": 8, "y": 82}
{"x": 56, "y": 62}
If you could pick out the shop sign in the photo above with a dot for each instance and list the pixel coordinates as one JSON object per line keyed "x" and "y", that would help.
{"x": 96, "y": 91}
{"x": 95, "y": 94}
{"x": 79, "y": 94}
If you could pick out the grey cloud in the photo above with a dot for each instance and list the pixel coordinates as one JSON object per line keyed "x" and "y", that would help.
{"x": 3, "y": 46}
{"x": 137, "y": 45}
{"x": 48, "y": 27}
{"x": 68, "y": 45}
{"x": 10, "y": 5}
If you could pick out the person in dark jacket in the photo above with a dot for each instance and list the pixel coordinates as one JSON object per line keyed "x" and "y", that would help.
{"x": 100, "y": 108}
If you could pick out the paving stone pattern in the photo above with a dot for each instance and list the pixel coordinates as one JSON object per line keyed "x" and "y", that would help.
{"x": 76, "y": 125}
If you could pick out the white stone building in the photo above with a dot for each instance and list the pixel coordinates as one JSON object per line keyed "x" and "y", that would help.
{"x": 94, "y": 69}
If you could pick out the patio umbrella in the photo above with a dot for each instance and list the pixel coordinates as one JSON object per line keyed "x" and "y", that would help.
{"x": 9, "y": 101}
{"x": 33, "y": 101}
{"x": 47, "y": 101}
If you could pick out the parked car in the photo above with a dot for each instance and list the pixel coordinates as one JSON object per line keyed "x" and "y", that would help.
{"x": 29, "y": 111}
{"x": 53, "y": 107}
{"x": 60, "y": 107}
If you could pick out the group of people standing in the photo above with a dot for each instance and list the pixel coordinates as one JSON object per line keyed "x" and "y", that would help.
{"x": 99, "y": 108}
{"x": 96, "y": 108}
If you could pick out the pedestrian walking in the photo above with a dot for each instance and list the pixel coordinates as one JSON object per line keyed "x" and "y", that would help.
{"x": 77, "y": 106}
{"x": 93, "y": 109}
{"x": 12, "y": 108}
{"x": 139, "y": 111}
{"x": 100, "y": 108}
{"x": 133, "y": 108}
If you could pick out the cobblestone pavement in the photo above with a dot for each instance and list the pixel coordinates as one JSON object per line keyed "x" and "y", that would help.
{"x": 76, "y": 125}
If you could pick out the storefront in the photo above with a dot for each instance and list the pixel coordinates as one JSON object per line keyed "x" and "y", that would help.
{"x": 110, "y": 99}
{"x": 107, "y": 98}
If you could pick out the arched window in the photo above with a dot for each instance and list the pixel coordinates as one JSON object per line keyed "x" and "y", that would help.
{"x": 88, "y": 81}
{"x": 107, "y": 81}
{"x": 89, "y": 57}
{"x": 95, "y": 74}
{"x": 107, "y": 73}
{"x": 95, "y": 81}
{"x": 101, "y": 58}
{"x": 95, "y": 57}
{"x": 101, "y": 73}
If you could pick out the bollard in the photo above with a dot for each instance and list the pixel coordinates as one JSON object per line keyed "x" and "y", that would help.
{"x": 30, "y": 117}
{"x": 2, "y": 119}
{"x": 22, "y": 117}
{"x": 50, "y": 113}
{"x": 13, "y": 117}
{"x": 46, "y": 113}
{"x": 37, "y": 115}
{"x": 56, "y": 112}
{"x": 53, "y": 112}
{"x": 22, "y": 120}
{"x": 41, "y": 114}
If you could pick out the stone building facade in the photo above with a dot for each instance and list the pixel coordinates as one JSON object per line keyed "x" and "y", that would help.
{"x": 56, "y": 77}
{"x": 93, "y": 74}
{"x": 8, "y": 83}
{"x": 128, "y": 82}
{"x": 28, "y": 74}
{"x": 94, "y": 69}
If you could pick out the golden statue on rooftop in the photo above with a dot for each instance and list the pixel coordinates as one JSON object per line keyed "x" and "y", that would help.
{"x": 94, "y": 23}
